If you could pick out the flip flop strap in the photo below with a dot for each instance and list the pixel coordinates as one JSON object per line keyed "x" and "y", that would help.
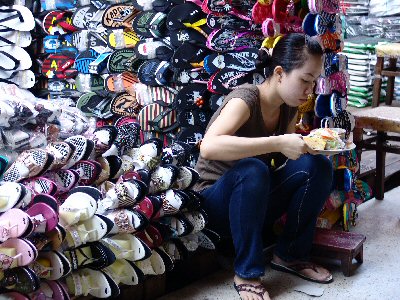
{"x": 19, "y": 15}
{"x": 5, "y": 232}
{"x": 6, "y": 261}
{"x": 196, "y": 26}
{"x": 16, "y": 61}
{"x": 99, "y": 107}
{"x": 121, "y": 219}
{"x": 40, "y": 270}
{"x": 86, "y": 260}
{"x": 155, "y": 123}
{"x": 39, "y": 223}
{"x": 79, "y": 234}
{"x": 124, "y": 199}
{"x": 167, "y": 207}
{"x": 251, "y": 288}
{"x": 5, "y": 40}
{"x": 60, "y": 20}
{"x": 124, "y": 252}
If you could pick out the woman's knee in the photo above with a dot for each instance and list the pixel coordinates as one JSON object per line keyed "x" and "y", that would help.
{"x": 254, "y": 171}
{"x": 318, "y": 167}
{"x": 253, "y": 168}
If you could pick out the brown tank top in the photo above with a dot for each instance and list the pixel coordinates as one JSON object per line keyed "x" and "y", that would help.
{"x": 211, "y": 170}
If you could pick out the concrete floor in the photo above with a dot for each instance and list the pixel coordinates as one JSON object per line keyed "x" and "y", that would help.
{"x": 377, "y": 278}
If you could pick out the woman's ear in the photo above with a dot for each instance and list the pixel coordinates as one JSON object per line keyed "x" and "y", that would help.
{"x": 278, "y": 71}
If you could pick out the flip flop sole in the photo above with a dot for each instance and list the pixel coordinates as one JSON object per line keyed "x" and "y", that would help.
{"x": 125, "y": 105}
{"x": 123, "y": 60}
{"x": 128, "y": 39}
{"x": 285, "y": 269}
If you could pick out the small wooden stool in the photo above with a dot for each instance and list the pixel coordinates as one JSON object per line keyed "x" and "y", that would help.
{"x": 339, "y": 245}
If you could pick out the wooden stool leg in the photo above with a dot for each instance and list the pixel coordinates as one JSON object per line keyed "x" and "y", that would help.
{"x": 346, "y": 265}
{"x": 359, "y": 257}
{"x": 358, "y": 140}
{"x": 380, "y": 166}
{"x": 390, "y": 82}
{"x": 377, "y": 82}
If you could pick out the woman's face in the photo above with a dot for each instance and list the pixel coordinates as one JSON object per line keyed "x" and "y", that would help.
{"x": 298, "y": 84}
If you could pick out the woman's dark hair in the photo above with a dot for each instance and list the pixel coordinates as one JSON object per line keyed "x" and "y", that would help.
{"x": 290, "y": 52}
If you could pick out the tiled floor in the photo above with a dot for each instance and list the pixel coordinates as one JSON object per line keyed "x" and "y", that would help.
{"x": 378, "y": 278}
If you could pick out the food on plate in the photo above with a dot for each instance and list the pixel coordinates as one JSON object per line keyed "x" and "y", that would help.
{"x": 324, "y": 139}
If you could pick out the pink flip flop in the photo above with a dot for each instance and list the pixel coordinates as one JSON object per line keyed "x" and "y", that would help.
{"x": 47, "y": 199}
{"x": 41, "y": 185}
{"x": 25, "y": 253}
{"x": 13, "y": 224}
{"x": 43, "y": 216}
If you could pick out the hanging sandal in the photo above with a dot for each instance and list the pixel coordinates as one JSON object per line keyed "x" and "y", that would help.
{"x": 256, "y": 289}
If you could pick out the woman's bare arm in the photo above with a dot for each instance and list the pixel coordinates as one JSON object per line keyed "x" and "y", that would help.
{"x": 219, "y": 142}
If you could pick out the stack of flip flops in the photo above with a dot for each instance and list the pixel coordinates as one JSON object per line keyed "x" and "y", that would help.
{"x": 323, "y": 23}
{"x": 95, "y": 221}
{"x": 16, "y": 21}
{"x": 362, "y": 60}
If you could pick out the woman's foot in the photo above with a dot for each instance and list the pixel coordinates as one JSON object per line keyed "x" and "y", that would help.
{"x": 250, "y": 289}
{"x": 305, "y": 270}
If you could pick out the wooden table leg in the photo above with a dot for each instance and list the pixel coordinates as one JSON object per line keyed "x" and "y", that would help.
{"x": 358, "y": 140}
{"x": 359, "y": 257}
{"x": 380, "y": 166}
{"x": 346, "y": 264}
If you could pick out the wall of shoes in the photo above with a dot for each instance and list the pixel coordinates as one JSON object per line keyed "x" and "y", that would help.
{"x": 102, "y": 107}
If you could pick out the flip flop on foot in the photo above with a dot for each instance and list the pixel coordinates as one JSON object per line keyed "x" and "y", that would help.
{"x": 254, "y": 290}
{"x": 299, "y": 269}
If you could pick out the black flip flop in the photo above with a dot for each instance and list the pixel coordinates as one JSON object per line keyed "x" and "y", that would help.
{"x": 154, "y": 48}
{"x": 122, "y": 60}
{"x": 184, "y": 13}
{"x": 224, "y": 81}
{"x": 244, "y": 60}
{"x": 150, "y": 24}
{"x": 296, "y": 268}
{"x": 189, "y": 56}
{"x": 191, "y": 135}
{"x": 192, "y": 96}
{"x": 187, "y": 35}
{"x": 198, "y": 117}
{"x": 230, "y": 22}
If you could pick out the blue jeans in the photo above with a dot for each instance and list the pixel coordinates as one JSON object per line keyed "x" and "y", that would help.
{"x": 250, "y": 196}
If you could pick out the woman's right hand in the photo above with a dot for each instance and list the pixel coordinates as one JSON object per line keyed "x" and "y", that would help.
{"x": 292, "y": 146}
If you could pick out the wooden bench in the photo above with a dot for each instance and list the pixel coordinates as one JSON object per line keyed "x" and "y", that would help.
{"x": 341, "y": 245}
